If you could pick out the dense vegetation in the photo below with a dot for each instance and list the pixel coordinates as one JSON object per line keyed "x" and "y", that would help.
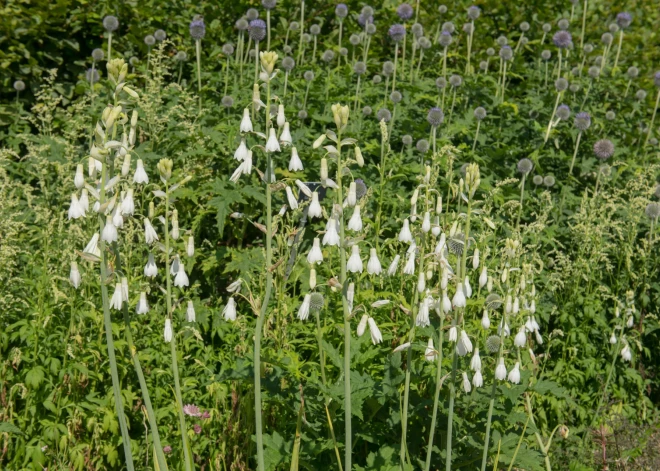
{"x": 430, "y": 230}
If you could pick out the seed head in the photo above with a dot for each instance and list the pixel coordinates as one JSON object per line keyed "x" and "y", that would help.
{"x": 490, "y": 52}
{"x": 435, "y": 117}
{"x": 242, "y": 24}
{"x": 302, "y": 114}
{"x": 632, "y": 72}
{"x": 563, "y": 112}
{"x": 422, "y": 146}
{"x": 367, "y": 11}
{"x": 468, "y": 28}
{"x": 407, "y": 140}
{"x": 524, "y": 26}
{"x": 547, "y": 27}
{"x": 623, "y": 19}
{"x": 456, "y": 244}
{"x": 445, "y": 39}
{"x": 149, "y": 40}
{"x": 582, "y": 121}
{"x": 594, "y": 71}
{"x": 473, "y": 12}
{"x": 384, "y": 115}
{"x": 364, "y": 20}
{"x": 640, "y": 95}
{"x": 366, "y": 111}
{"x": 360, "y": 68}
{"x": 525, "y": 166}
{"x": 397, "y": 32}
{"x": 328, "y": 55}
{"x": 588, "y": 48}
{"x": 341, "y": 10}
{"x": 455, "y": 80}
{"x": 405, "y": 11}
{"x": 442, "y": 9}
{"x": 561, "y": 84}
{"x": 549, "y": 181}
{"x": 537, "y": 180}
{"x": 506, "y": 53}
{"x": 448, "y": 27}
{"x": 316, "y": 302}
{"x": 227, "y": 101}
{"x": 197, "y": 28}
{"x": 388, "y": 68}
{"x": 417, "y": 30}
{"x": 308, "y": 75}
{"x": 90, "y": 76}
{"x": 134, "y": 61}
{"x": 610, "y": 115}
{"x": 252, "y": 14}
{"x": 606, "y": 38}
{"x": 110, "y": 23}
{"x": 376, "y": 79}
{"x": 563, "y": 24}
{"x": 98, "y": 54}
{"x": 269, "y": 4}
{"x": 370, "y": 29}
{"x": 613, "y": 27}
{"x": 562, "y": 39}
{"x": 502, "y": 41}
{"x": 294, "y": 26}
{"x": 483, "y": 65}
{"x": 545, "y": 55}
{"x": 354, "y": 39}
{"x": 395, "y": 97}
{"x": 480, "y": 113}
{"x": 493, "y": 301}
{"x": 440, "y": 82}
{"x": 493, "y": 344}
{"x": 343, "y": 51}
{"x": 288, "y": 63}
{"x": 257, "y": 30}
{"x": 160, "y": 35}
{"x": 228, "y": 49}
{"x": 604, "y": 149}
{"x": 315, "y": 30}
{"x": 574, "y": 87}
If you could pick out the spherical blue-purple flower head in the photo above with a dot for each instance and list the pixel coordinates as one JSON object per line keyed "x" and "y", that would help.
{"x": 435, "y": 117}
{"x": 604, "y": 149}
{"x": 364, "y": 20}
{"x": 257, "y": 30}
{"x": 563, "y": 112}
{"x": 197, "y": 28}
{"x": 445, "y": 38}
{"x": 341, "y": 10}
{"x": 623, "y": 19}
{"x": 474, "y": 12}
{"x": 405, "y": 11}
{"x": 397, "y": 32}
{"x": 582, "y": 121}
{"x": 562, "y": 39}
{"x": 506, "y": 53}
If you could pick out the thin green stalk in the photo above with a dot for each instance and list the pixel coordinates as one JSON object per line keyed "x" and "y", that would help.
{"x": 469, "y": 48}
{"x": 268, "y": 28}
{"x": 396, "y": 56}
{"x": 484, "y": 456}
{"x": 341, "y": 27}
{"x": 476, "y": 136}
{"x": 515, "y": 453}
{"x": 109, "y": 46}
{"x": 618, "y": 51}
{"x": 357, "y": 95}
{"x": 522, "y": 195}
{"x": 503, "y": 80}
{"x": 552, "y": 117}
{"x": 302, "y": 30}
{"x": 607, "y": 384}
{"x": 198, "y": 51}
{"x": 584, "y": 22}
{"x": 403, "y": 55}
{"x": 175, "y": 365}
{"x": 586, "y": 95}
{"x": 436, "y": 397}
{"x": 655, "y": 110}
{"x": 116, "y": 388}
{"x": 577, "y": 144}
{"x": 381, "y": 188}
{"x": 264, "y": 306}
{"x": 453, "y": 101}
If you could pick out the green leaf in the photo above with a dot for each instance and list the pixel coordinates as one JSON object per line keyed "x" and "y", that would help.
{"x": 6, "y": 427}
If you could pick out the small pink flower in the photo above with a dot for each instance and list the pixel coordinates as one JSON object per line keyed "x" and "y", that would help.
{"x": 191, "y": 410}
{"x": 197, "y": 428}
{"x": 206, "y": 415}
{"x": 167, "y": 449}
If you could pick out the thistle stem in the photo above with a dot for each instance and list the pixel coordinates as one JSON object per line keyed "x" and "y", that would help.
{"x": 476, "y": 136}
{"x": 268, "y": 28}
{"x": 109, "y": 46}
{"x": 396, "y": 56}
{"x": 484, "y": 456}
{"x": 577, "y": 144}
{"x": 552, "y": 117}
{"x": 655, "y": 110}
{"x": 198, "y": 52}
{"x": 584, "y": 22}
{"x": 618, "y": 51}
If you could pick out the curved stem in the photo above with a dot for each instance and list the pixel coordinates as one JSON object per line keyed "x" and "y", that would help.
{"x": 577, "y": 144}
{"x": 618, "y": 51}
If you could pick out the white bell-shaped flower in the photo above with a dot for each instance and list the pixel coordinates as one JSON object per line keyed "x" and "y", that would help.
{"x": 74, "y": 275}
{"x": 84, "y": 200}
{"x": 394, "y": 265}
{"x": 468, "y": 287}
{"x": 507, "y": 330}
{"x": 351, "y": 198}
{"x": 458, "y": 300}
{"x": 520, "y": 340}
{"x": 271, "y": 144}
{"x": 229, "y": 312}
{"x": 362, "y": 326}
{"x": 485, "y": 320}
{"x": 405, "y": 235}
{"x": 140, "y": 176}
{"x": 128, "y": 203}
{"x": 421, "y": 282}
{"x": 314, "y": 210}
{"x": 190, "y": 312}
{"x": 422, "y": 319}
{"x": 409, "y": 267}
{"x": 190, "y": 246}
{"x": 75, "y": 208}
{"x": 242, "y": 151}
{"x": 626, "y": 353}
{"x": 303, "y": 311}
{"x": 117, "y": 298}
{"x": 281, "y": 119}
{"x": 613, "y": 338}
{"x": 246, "y": 122}
{"x": 376, "y": 336}
{"x": 331, "y": 236}
{"x": 181, "y": 279}
{"x": 483, "y": 277}
{"x": 464, "y": 344}
{"x": 117, "y": 218}
{"x": 109, "y": 233}
{"x": 467, "y": 387}
{"x": 150, "y": 269}
{"x": 514, "y": 374}
{"x": 167, "y": 333}
{"x": 291, "y": 199}
{"x": 315, "y": 255}
{"x": 354, "y": 264}
{"x": 149, "y": 233}
{"x": 92, "y": 246}
{"x": 446, "y": 303}
{"x": 453, "y": 333}
{"x": 295, "y": 164}
{"x": 475, "y": 259}
{"x": 285, "y": 137}
{"x": 79, "y": 179}
{"x": 426, "y": 223}
{"x": 477, "y": 379}
{"x": 430, "y": 354}
{"x": 355, "y": 223}
{"x": 500, "y": 371}
{"x": 475, "y": 362}
{"x": 373, "y": 265}
{"x": 142, "y": 305}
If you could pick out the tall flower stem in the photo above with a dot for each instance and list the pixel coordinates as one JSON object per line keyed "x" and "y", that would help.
{"x": 109, "y": 46}
{"x": 453, "y": 101}
{"x": 468, "y": 70}
{"x": 319, "y": 338}
{"x": 264, "y": 306}
{"x": 436, "y": 397}
{"x": 584, "y": 22}
{"x": 503, "y": 81}
{"x": 577, "y": 144}
{"x": 357, "y": 95}
{"x": 302, "y": 30}
{"x": 655, "y": 110}
{"x": 476, "y": 136}
{"x": 552, "y": 117}
{"x": 175, "y": 366}
{"x": 268, "y": 27}
{"x": 403, "y": 55}
{"x": 489, "y": 420}
{"x": 198, "y": 53}
{"x": 618, "y": 52}
{"x": 116, "y": 388}
{"x": 341, "y": 29}
{"x": 381, "y": 188}
{"x": 586, "y": 95}
{"x": 396, "y": 57}
{"x": 522, "y": 195}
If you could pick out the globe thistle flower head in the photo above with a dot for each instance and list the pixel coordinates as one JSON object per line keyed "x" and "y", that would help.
{"x": 328, "y": 55}
{"x": 360, "y": 188}
{"x": 98, "y": 55}
{"x": 440, "y": 82}
{"x": 594, "y": 71}
{"x": 287, "y": 49}
{"x": 341, "y": 10}
{"x": 422, "y": 146}
{"x": 493, "y": 343}
{"x": 242, "y": 24}
{"x": 480, "y": 113}
{"x": 252, "y": 14}
{"x": 396, "y": 97}
{"x": 582, "y": 121}
{"x": 316, "y": 302}
{"x": 397, "y": 32}
{"x": 547, "y": 27}
{"x": 574, "y": 87}
{"x": 383, "y": 114}
{"x": 376, "y": 79}
{"x": 523, "y": 41}
{"x": 405, "y": 11}
{"x": 640, "y": 95}
{"x": 308, "y": 75}
{"x": 343, "y": 51}
{"x": 604, "y": 149}
{"x": 545, "y": 55}
{"x": 613, "y": 27}
{"x": 269, "y": 4}
{"x": 652, "y": 210}
{"x": 360, "y": 68}
{"x": 656, "y": 192}
{"x": 468, "y": 28}
{"x": 456, "y": 244}
{"x": 524, "y": 26}
{"x": 502, "y": 41}
{"x": 610, "y": 115}
{"x": 588, "y": 48}
{"x": 493, "y": 301}
{"x": 474, "y": 12}
{"x": 407, "y": 140}
{"x": 575, "y": 71}
{"x": 537, "y": 180}
{"x": 483, "y": 65}
{"x": 160, "y": 35}
{"x": 354, "y": 39}
{"x": 364, "y": 20}
{"x": 455, "y": 80}
{"x": 294, "y": 26}
{"x": 366, "y": 111}
{"x": 563, "y": 24}
{"x": 370, "y": 29}
{"x": 442, "y": 9}
{"x": 181, "y": 56}
{"x": 435, "y": 117}
{"x": 606, "y": 38}
{"x": 562, "y": 39}
{"x": 367, "y": 11}
{"x": 228, "y": 49}
{"x": 227, "y": 101}
{"x": 525, "y": 166}
{"x": 149, "y": 40}
{"x": 257, "y": 30}
{"x": 302, "y": 114}
{"x": 315, "y": 30}
{"x": 632, "y": 72}
{"x": 92, "y": 75}
{"x": 445, "y": 38}
{"x": 506, "y": 53}
{"x": 197, "y": 28}
{"x": 623, "y": 19}
{"x": 134, "y": 61}
{"x": 561, "y": 84}
{"x": 490, "y": 52}
{"x": 417, "y": 30}
{"x": 288, "y": 63}
{"x": 656, "y": 78}
{"x": 110, "y": 23}
{"x": 388, "y": 68}
{"x": 549, "y": 181}
{"x": 307, "y": 38}
{"x": 563, "y": 112}
{"x": 448, "y": 27}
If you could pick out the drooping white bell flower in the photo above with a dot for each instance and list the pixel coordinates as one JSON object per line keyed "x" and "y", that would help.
{"x": 124, "y": 288}
{"x": 475, "y": 259}
{"x": 458, "y": 300}
{"x": 426, "y": 223}
{"x": 167, "y": 333}
{"x": 373, "y": 265}
{"x": 128, "y": 204}
{"x": 409, "y": 267}
{"x": 422, "y": 319}
{"x": 109, "y": 233}
{"x": 507, "y": 330}
{"x": 75, "y": 208}
{"x": 520, "y": 340}
{"x": 626, "y": 353}
{"x": 314, "y": 210}
{"x": 351, "y": 198}
{"x": 514, "y": 374}
{"x": 241, "y": 151}
{"x": 281, "y": 119}
{"x": 142, "y": 305}
{"x": 475, "y": 362}
{"x": 485, "y": 320}
{"x": 190, "y": 247}
{"x": 532, "y": 307}
{"x": 446, "y": 303}
{"x": 453, "y": 333}
{"x": 430, "y": 354}
{"x": 79, "y": 179}
{"x": 464, "y": 344}
{"x": 440, "y": 246}
{"x": 315, "y": 255}
{"x": 92, "y": 246}
{"x": 354, "y": 264}
{"x": 229, "y": 312}
{"x": 117, "y": 218}
{"x": 508, "y": 304}
{"x": 362, "y": 326}
{"x": 181, "y": 279}
{"x": 391, "y": 270}
{"x": 246, "y": 122}
{"x": 295, "y": 164}
{"x": 467, "y": 387}
{"x": 483, "y": 277}
{"x": 84, "y": 200}
{"x": 516, "y": 306}
{"x": 350, "y": 295}
{"x": 612, "y": 337}
{"x": 271, "y": 144}
{"x": 477, "y": 379}
{"x": 190, "y": 312}
{"x": 539, "y": 339}
{"x": 421, "y": 282}
{"x": 285, "y": 137}
{"x": 468, "y": 287}
{"x": 150, "y": 269}
{"x": 405, "y": 235}
{"x": 355, "y": 223}
{"x": 117, "y": 298}
{"x": 140, "y": 175}
{"x": 291, "y": 199}
{"x": 149, "y": 232}
{"x": 331, "y": 236}
{"x": 303, "y": 311}
{"x": 500, "y": 371}
{"x": 74, "y": 275}
{"x": 376, "y": 336}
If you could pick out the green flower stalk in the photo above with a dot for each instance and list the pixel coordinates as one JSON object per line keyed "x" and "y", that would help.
{"x": 655, "y": 109}
{"x": 384, "y": 138}
{"x": 302, "y": 30}
{"x": 436, "y": 397}
{"x": 197, "y": 32}
{"x": 584, "y": 23}
{"x": 525, "y": 166}
{"x": 110, "y": 24}
{"x": 561, "y": 85}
